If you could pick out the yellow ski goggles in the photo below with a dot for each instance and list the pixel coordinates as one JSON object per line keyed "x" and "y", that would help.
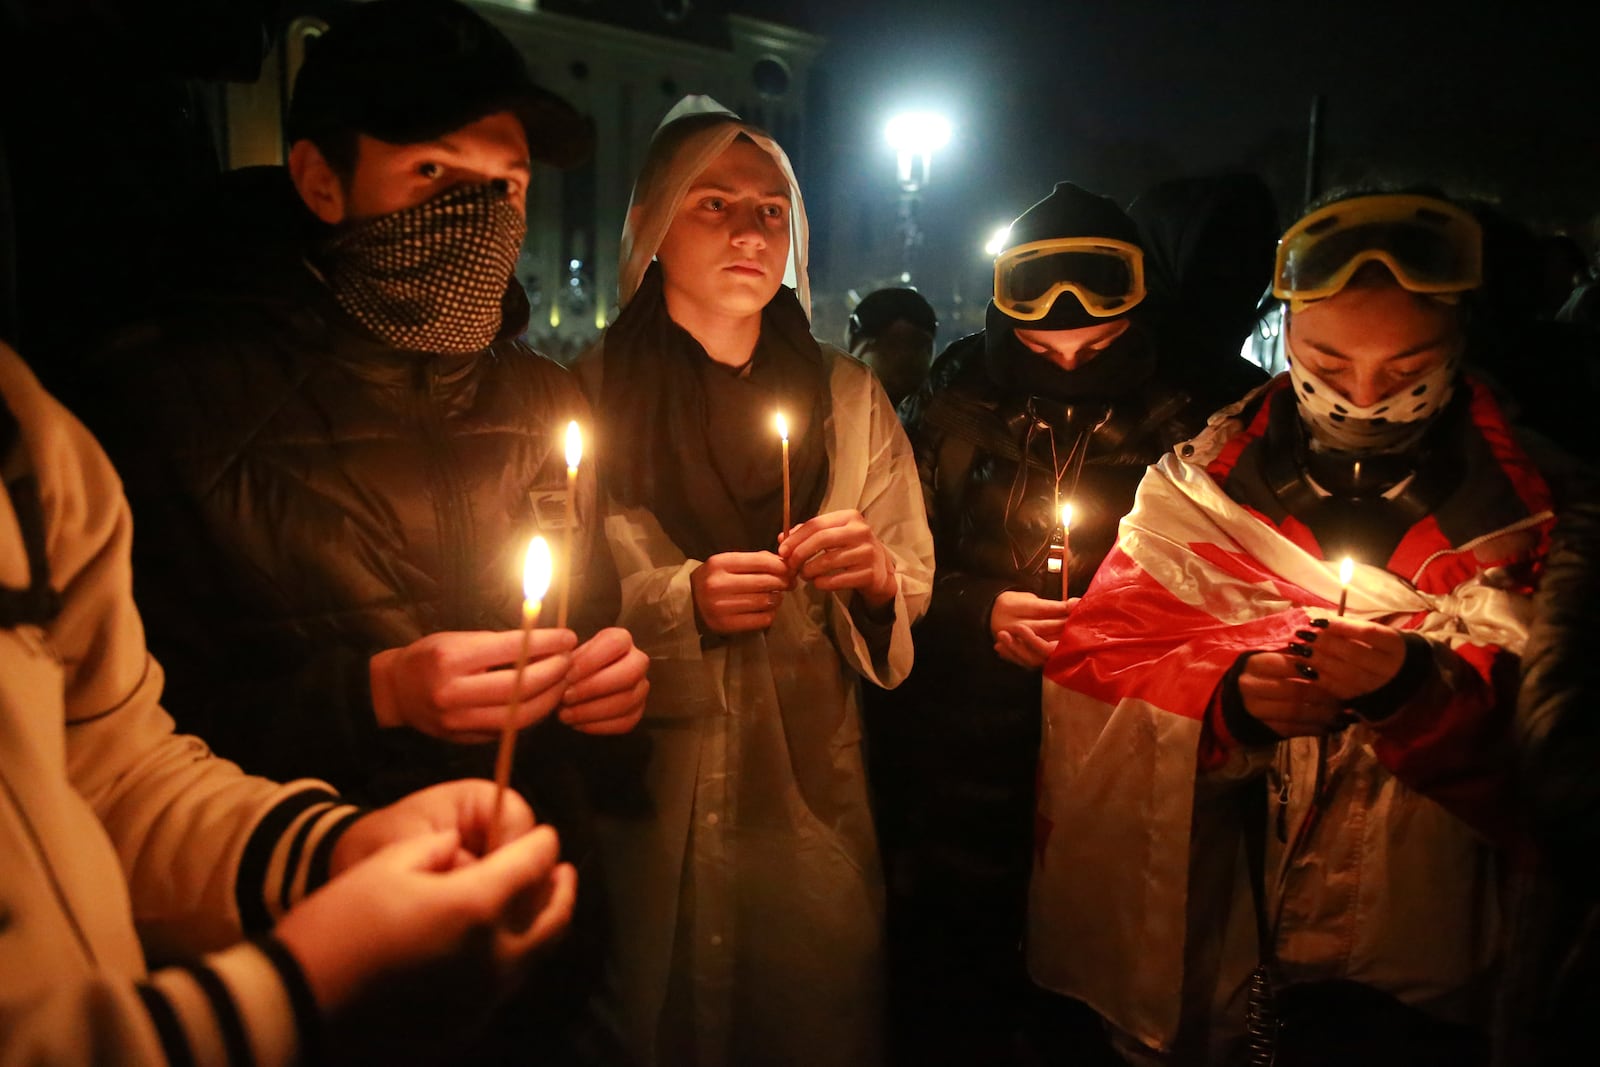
{"x": 1106, "y": 275}
{"x": 1429, "y": 245}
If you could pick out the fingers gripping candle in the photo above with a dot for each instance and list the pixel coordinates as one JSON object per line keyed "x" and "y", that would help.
{"x": 536, "y": 569}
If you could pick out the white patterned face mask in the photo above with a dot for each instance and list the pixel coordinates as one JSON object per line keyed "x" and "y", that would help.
{"x": 432, "y": 277}
{"x": 1392, "y": 423}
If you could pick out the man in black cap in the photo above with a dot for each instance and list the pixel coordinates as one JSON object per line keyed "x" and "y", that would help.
{"x": 892, "y": 331}
{"x": 1063, "y": 399}
{"x": 337, "y": 447}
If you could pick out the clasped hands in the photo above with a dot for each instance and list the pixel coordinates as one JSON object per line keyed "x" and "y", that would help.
{"x": 457, "y": 686}
{"x": 740, "y": 592}
{"x": 1303, "y": 690}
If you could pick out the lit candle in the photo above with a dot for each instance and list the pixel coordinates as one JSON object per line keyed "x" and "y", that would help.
{"x": 1060, "y": 558}
{"x": 535, "y": 583}
{"x": 574, "y": 456}
{"x": 1347, "y": 567}
{"x": 783, "y": 435}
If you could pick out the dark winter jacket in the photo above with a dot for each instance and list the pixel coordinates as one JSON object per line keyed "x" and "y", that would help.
{"x": 1553, "y": 963}
{"x": 989, "y": 460}
{"x": 304, "y": 497}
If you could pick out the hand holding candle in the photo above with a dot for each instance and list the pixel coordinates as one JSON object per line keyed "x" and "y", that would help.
{"x": 535, "y": 583}
{"x": 783, "y": 435}
{"x": 1347, "y": 568}
{"x": 574, "y": 457}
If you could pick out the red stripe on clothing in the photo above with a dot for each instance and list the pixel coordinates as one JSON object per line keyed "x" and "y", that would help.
{"x": 1299, "y": 533}
{"x": 1223, "y": 465}
{"x": 1525, "y": 478}
{"x": 1456, "y": 750}
{"x": 1421, "y": 541}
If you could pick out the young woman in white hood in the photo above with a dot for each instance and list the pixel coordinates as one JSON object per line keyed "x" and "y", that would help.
{"x": 742, "y": 871}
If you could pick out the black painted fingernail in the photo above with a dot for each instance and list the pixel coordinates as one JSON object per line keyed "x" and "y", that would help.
{"x": 1308, "y": 636}
{"x": 1303, "y": 651}
{"x": 1307, "y": 671}
{"x": 1321, "y": 624}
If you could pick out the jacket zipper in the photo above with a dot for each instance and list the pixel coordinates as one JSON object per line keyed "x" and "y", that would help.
{"x": 1302, "y": 831}
{"x": 449, "y": 502}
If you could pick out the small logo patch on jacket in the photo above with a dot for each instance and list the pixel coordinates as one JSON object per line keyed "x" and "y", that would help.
{"x": 549, "y": 509}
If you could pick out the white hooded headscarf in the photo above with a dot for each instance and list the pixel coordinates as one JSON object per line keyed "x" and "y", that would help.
{"x": 692, "y": 135}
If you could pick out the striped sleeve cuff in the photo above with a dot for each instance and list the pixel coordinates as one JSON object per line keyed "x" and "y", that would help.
{"x": 238, "y": 1008}
{"x": 287, "y": 855}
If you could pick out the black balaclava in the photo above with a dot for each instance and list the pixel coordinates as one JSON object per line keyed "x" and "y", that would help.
{"x": 1125, "y": 365}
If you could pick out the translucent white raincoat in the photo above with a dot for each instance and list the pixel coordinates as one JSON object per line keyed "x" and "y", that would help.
{"x": 746, "y": 895}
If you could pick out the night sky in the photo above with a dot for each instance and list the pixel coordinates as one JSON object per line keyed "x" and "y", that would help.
{"x": 1113, "y": 94}
{"x": 1117, "y": 96}
{"x": 1502, "y": 101}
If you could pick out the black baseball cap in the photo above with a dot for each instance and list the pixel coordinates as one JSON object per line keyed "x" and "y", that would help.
{"x": 406, "y": 71}
{"x": 881, "y": 308}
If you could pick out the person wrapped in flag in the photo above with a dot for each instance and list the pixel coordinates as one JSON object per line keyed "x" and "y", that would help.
{"x": 1212, "y": 720}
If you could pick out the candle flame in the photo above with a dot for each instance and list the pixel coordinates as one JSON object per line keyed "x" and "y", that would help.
{"x": 536, "y": 570}
{"x": 1347, "y": 567}
{"x": 574, "y": 444}
{"x": 1066, "y": 516}
{"x": 783, "y": 426}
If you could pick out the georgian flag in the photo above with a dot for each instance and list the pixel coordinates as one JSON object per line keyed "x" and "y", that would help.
{"x": 1193, "y": 581}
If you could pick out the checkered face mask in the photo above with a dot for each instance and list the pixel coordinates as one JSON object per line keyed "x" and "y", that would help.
{"x": 430, "y": 278}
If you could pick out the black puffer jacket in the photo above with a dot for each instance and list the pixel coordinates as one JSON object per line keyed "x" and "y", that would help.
{"x": 306, "y": 496}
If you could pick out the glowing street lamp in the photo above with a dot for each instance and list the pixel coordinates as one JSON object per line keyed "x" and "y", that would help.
{"x": 915, "y": 136}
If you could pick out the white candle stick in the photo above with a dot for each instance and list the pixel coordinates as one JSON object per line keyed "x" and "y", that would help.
{"x": 536, "y": 569}
{"x": 783, "y": 434}
{"x": 1060, "y": 558}
{"x": 574, "y": 457}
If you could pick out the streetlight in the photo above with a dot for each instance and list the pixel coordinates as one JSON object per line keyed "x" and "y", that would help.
{"x": 915, "y": 136}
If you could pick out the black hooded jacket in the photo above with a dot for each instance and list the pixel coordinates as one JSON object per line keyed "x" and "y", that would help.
{"x": 306, "y": 496}
{"x": 955, "y": 747}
